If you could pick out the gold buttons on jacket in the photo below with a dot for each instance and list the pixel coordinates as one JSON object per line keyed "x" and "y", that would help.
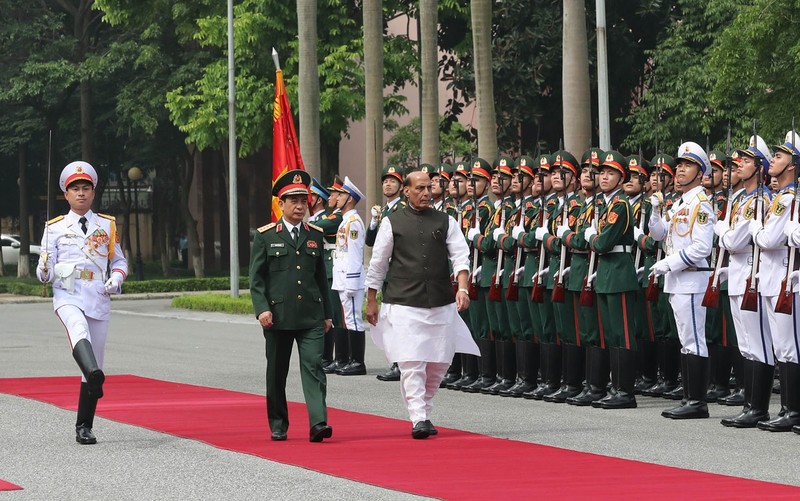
{"x": 299, "y": 297}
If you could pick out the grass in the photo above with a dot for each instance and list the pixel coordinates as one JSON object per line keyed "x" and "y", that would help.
{"x": 223, "y": 303}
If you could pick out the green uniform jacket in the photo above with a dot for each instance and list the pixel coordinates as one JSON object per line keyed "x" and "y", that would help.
{"x": 552, "y": 242}
{"x": 648, "y": 244}
{"x": 529, "y": 238}
{"x": 330, "y": 225}
{"x": 486, "y": 244}
{"x": 485, "y": 211}
{"x": 615, "y": 272}
{"x": 532, "y": 210}
{"x": 385, "y": 211}
{"x": 579, "y": 265}
{"x": 288, "y": 278}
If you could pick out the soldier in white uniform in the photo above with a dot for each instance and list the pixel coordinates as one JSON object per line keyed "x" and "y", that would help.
{"x": 84, "y": 260}
{"x": 687, "y": 232}
{"x": 349, "y": 276}
{"x": 753, "y": 332}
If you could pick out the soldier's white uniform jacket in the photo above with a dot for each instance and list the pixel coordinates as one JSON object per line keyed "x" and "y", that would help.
{"x": 348, "y": 260}
{"x": 738, "y": 242}
{"x": 79, "y": 265}
{"x": 687, "y": 231}
{"x": 772, "y": 242}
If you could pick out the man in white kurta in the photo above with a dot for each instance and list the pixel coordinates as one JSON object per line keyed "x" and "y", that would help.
{"x": 418, "y": 325}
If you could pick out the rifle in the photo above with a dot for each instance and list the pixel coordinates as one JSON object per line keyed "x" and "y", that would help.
{"x": 512, "y": 293}
{"x": 559, "y": 293}
{"x": 711, "y": 297}
{"x": 750, "y": 298}
{"x": 651, "y": 293}
{"x": 637, "y": 259}
{"x": 457, "y": 203}
{"x": 784, "y": 302}
{"x": 496, "y": 288}
{"x": 45, "y": 254}
{"x": 473, "y": 279}
{"x": 537, "y": 293}
{"x": 587, "y": 291}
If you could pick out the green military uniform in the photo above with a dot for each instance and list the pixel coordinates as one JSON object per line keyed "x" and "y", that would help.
{"x": 288, "y": 279}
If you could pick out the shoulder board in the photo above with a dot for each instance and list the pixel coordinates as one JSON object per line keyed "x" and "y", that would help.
{"x": 315, "y": 227}
{"x": 529, "y": 205}
{"x": 702, "y": 197}
{"x": 266, "y": 227}
{"x": 574, "y": 203}
{"x": 616, "y": 199}
{"x": 352, "y": 218}
{"x": 552, "y": 201}
{"x": 55, "y": 219}
{"x": 106, "y": 216}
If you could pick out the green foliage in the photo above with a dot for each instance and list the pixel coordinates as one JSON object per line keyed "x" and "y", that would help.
{"x": 404, "y": 146}
{"x": 31, "y": 287}
{"x": 215, "y": 302}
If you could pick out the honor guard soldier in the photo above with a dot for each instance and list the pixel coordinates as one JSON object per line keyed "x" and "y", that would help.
{"x": 445, "y": 171}
{"x": 770, "y": 237}
{"x": 392, "y": 184}
{"x": 83, "y": 259}
{"x": 289, "y": 289}
{"x": 349, "y": 276}
{"x": 615, "y": 284}
{"x": 687, "y": 231}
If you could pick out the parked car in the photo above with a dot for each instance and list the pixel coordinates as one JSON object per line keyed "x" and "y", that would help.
{"x": 11, "y": 245}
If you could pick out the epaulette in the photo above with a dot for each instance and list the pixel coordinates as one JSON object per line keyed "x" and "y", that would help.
{"x": 615, "y": 200}
{"x": 352, "y": 218}
{"x": 106, "y": 216}
{"x": 574, "y": 203}
{"x": 266, "y": 227}
{"x": 55, "y": 219}
{"x": 702, "y": 197}
{"x": 315, "y": 227}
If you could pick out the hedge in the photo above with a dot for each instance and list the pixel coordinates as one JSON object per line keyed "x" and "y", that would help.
{"x": 31, "y": 287}
{"x": 215, "y": 302}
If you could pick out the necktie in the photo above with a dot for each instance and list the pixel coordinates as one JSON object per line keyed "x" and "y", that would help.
{"x": 83, "y": 222}
{"x": 295, "y": 233}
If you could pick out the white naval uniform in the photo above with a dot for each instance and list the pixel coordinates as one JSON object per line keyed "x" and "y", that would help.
{"x": 772, "y": 270}
{"x": 348, "y": 268}
{"x": 421, "y": 340}
{"x": 78, "y": 265}
{"x": 753, "y": 333}
{"x": 688, "y": 235}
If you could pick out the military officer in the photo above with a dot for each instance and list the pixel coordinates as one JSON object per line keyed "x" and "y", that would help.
{"x": 289, "y": 290}
{"x": 83, "y": 258}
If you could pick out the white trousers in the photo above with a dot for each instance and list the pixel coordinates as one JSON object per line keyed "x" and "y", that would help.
{"x": 785, "y": 337}
{"x": 352, "y": 302}
{"x": 753, "y": 332}
{"x": 690, "y": 317}
{"x": 79, "y": 326}
{"x": 419, "y": 382}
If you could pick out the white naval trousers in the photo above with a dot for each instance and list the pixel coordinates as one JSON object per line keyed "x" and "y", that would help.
{"x": 784, "y": 330}
{"x": 419, "y": 382}
{"x": 690, "y": 318}
{"x": 753, "y": 332}
{"x": 79, "y": 326}
{"x": 352, "y": 302}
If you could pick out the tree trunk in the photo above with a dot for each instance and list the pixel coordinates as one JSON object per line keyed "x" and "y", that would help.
{"x": 308, "y": 88}
{"x": 577, "y": 106}
{"x": 23, "y": 265}
{"x": 428, "y": 37}
{"x": 373, "y": 84}
{"x": 481, "y": 12}
{"x": 192, "y": 235}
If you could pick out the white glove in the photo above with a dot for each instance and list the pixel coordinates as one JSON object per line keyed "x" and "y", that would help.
{"x": 543, "y": 274}
{"x": 722, "y": 274}
{"x": 655, "y": 201}
{"x": 794, "y": 276}
{"x": 637, "y": 232}
{"x": 639, "y": 273}
{"x": 566, "y": 272}
{"x": 41, "y": 274}
{"x": 518, "y": 273}
{"x": 754, "y": 227}
{"x": 660, "y": 268}
{"x": 114, "y": 283}
{"x": 497, "y": 233}
{"x": 477, "y": 273}
{"x": 591, "y": 278}
{"x": 472, "y": 233}
{"x": 516, "y": 231}
{"x": 562, "y": 230}
{"x": 374, "y": 211}
{"x": 790, "y": 228}
{"x": 721, "y": 227}
{"x": 589, "y": 232}
{"x": 541, "y": 231}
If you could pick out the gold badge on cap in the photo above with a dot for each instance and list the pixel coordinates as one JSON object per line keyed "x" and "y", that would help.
{"x": 712, "y": 157}
{"x": 686, "y": 149}
{"x": 523, "y": 162}
{"x": 594, "y": 155}
{"x": 558, "y": 158}
{"x": 543, "y": 161}
{"x": 503, "y": 162}
{"x": 298, "y": 179}
{"x": 391, "y": 170}
{"x": 633, "y": 163}
{"x": 79, "y": 170}
{"x": 609, "y": 158}
{"x": 476, "y": 165}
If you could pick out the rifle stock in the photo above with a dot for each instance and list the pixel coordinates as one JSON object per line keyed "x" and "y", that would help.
{"x": 537, "y": 293}
{"x": 512, "y": 293}
{"x": 785, "y": 298}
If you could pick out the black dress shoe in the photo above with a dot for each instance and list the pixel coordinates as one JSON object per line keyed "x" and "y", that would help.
{"x": 278, "y": 436}
{"x": 735, "y": 399}
{"x": 693, "y": 409}
{"x": 84, "y": 435}
{"x": 465, "y": 380}
{"x": 479, "y": 384}
{"x": 716, "y": 393}
{"x": 450, "y": 377}
{"x": 320, "y": 431}
{"x": 747, "y": 419}
{"x": 393, "y": 374}
{"x": 675, "y": 394}
{"x": 333, "y": 366}
{"x": 420, "y": 430}
{"x": 796, "y": 429}
{"x": 352, "y": 369}
{"x": 620, "y": 400}
{"x": 431, "y": 429}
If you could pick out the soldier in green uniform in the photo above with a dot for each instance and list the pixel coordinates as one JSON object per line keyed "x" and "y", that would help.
{"x": 289, "y": 290}
{"x": 392, "y": 185}
{"x": 478, "y": 214}
{"x": 317, "y": 210}
{"x": 616, "y": 283}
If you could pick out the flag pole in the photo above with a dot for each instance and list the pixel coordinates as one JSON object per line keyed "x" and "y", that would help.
{"x": 233, "y": 202}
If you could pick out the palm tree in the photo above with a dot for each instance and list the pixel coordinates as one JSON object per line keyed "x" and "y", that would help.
{"x": 481, "y": 12}
{"x": 373, "y": 90}
{"x": 308, "y": 88}
{"x": 428, "y": 36}
{"x": 575, "y": 75}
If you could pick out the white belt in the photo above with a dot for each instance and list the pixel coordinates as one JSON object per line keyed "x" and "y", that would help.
{"x": 328, "y": 246}
{"x": 621, "y": 248}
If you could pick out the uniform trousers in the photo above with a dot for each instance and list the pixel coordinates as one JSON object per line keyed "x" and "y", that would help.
{"x": 352, "y": 303}
{"x": 785, "y": 337}
{"x": 690, "y": 318}
{"x": 617, "y": 312}
{"x": 419, "y": 382}
{"x": 478, "y": 315}
{"x": 548, "y": 334}
{"x": 719, "y": 326}
{"x": 528, "y": 316}
{"x": 588, "y": 322}
{"x": 753, "y": 331}
{"x": 79, "y": 326}
{"x": 566, "y": 315}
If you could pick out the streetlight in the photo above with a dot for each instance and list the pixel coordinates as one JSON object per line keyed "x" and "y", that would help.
{"x": 135, "y": 175}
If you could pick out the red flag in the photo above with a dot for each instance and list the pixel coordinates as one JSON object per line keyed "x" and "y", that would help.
{"x": 285, "y": 148}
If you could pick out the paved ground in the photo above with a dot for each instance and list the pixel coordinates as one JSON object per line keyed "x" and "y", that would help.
{"x": 148, "y": 338}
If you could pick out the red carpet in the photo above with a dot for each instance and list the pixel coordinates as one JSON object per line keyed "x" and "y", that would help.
{"x": 8, "y": 486}
{"x": 362, "y": 442}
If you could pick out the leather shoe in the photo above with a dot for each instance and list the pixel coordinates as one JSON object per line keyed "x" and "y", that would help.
{"x": 84, "y": 435}
{"x": 393, "y": 374}
{"x": 278, "y": 436}
{"x": 354, "y": 368}
{"x": 319, "y": 432}
{"x": 420, "y": 430}
{"x": 431, "y": 429}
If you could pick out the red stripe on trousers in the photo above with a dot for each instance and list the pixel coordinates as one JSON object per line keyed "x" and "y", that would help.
{"x": 625, "y": 322}
{"x": 577, "y": 323}
{"x": 600, "y": 325}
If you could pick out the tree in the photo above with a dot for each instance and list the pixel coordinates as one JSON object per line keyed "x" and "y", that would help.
{"x": 577, "y": 104}
{"x": 403, "y": 147}
{"x": 430, "y": 80}
{"x": 308, "y": 88}
{"x": 373, "y": 94}
{"x": 484, "y": 85}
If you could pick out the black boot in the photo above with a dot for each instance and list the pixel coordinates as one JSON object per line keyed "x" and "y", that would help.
{"x": 87, "y": 404}
{"x": 471, "y": 372}
{"x": 624, "y": 398}
{"x": 757, "y": 406}
{"x": 541, "y": 388}
{"x": 534, "y": 361}
{"x": 736, "y": 398}
{"x": 668, "y": 366}
{"x": 648, "y": 366}
{"x": 720, "y": 366}
{"x": 790, "y": 393}
{"x": 327, "y": 349}
{"x": 674, "y": 353}
{"x": 488, "y": 369}
{"x": 776, "y": 383}
{"x": 573, "y": 373}
{"x": 695, "y": 382}
{"x": 552, "y": 371}
{"x": 597, "y": 370}
{"x": 521, "y": 349}
{"x": 611, "y": 386}
{"x": 84, "y": 355}
{"x": 453, "y": 373}
{"x": 341, "y": 341}
{"x": 499, "y": 352}
{"x": 358, "y": 346}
